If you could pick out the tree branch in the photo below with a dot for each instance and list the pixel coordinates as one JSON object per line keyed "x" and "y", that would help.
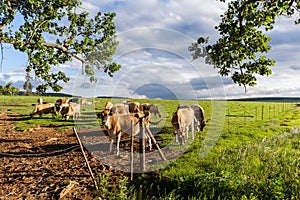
{"x": 66, "y": 50}
{"x": 35, "y": 29}
{"x": 55, "y": 46}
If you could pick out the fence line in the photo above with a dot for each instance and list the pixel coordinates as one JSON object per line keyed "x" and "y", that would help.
{"x": 261, "y": 113}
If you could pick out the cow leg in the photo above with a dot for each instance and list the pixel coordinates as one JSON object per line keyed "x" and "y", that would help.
{"x": 149, "y": 140}
{"x": 181, "y": 134}
{"x": 182, "y": 139}
{"x": 193, "y": 131}
{"x": 111, "y": 145}
{"x": 176, "y": 136}
{"x": 187, "y": 132}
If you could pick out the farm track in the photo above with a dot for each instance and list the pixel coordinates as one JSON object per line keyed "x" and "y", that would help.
{"x": 40, "y": 162}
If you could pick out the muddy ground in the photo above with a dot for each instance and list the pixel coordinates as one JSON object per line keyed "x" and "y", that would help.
{"x": 44, "y": 163}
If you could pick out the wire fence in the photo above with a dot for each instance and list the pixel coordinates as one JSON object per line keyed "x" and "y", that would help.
{"x": 245, "y": 113}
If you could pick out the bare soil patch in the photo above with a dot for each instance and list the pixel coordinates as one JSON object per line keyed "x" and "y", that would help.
{"x": 44, "y": 163}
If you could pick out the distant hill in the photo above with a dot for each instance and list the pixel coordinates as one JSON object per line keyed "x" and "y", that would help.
{"x": 57, "y": 94}
{"x": 54, "y": 94}
{"x": 269, "y": 99}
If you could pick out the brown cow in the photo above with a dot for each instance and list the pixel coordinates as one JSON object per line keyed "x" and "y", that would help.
{"x": 133, "y": 107}
{"x": 181, "y": 120}
{"x": 123, "y": 123}
{"x": 60, "y": 103}
{"x": 199, "y": 115}
{"x": 153, "y": 109}
{"x": 43, "y": 109}
{"x": 73, "y": 109}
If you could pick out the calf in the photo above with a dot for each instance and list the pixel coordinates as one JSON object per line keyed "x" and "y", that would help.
{"x": 182, "y": 119}
{"x": 125, "y": 123}
{"x": 43, "y": 109}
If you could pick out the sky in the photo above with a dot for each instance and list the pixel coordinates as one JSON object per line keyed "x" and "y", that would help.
{"x": 154, "y": 36}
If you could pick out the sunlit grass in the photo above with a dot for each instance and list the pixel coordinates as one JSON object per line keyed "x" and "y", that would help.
{"x": 256, "y": 154}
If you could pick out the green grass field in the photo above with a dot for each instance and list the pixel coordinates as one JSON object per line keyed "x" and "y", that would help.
{"x": 253, "y": 150}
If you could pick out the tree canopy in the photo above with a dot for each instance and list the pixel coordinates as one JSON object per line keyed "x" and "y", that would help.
{"x": 55, "y": 32}
{"x": 241, "y": 49}
{"x": 9, "y": 89}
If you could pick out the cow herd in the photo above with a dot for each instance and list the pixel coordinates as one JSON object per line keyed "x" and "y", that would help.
{"x": 67, "y": 107}
{"x": 128, "y": 117}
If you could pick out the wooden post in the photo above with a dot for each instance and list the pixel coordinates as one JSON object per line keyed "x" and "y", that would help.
{"x": 86, "y": 160}
{"x": 244, "y": 116}
{"x": 142, "y": 148}
{"x": 228, "y": 123}
{"x": 262, "y": 112}
{"x": 154, "y": 141}
{"x": 256, "y": 115}
{"x": 131, "y": 150}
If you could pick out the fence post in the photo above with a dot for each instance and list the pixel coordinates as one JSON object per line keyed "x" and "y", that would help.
{"x": 228, "y": 124}
{"x": 256, "y": 116}
{"x": 262, "y": 112}
{"x": 142, "y": 148}
{"x": 131, "y": 150}
{"x": 244, "y": 116}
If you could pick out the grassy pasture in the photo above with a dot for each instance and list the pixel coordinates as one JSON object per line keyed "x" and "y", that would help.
{"x": 255, "y": 156}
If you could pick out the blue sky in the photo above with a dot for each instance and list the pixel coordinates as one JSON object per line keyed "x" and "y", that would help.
{"x": 154, "y": 37}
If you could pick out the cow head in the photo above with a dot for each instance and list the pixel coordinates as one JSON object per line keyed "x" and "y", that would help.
{"x": 143, "y": 117}
{"x": 104, "y": 115}
{"x": 154, "y": 109}
{"x": 202, "y": 124}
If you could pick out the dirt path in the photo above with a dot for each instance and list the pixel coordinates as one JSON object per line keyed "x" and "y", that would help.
{"x": 41, "y": 162}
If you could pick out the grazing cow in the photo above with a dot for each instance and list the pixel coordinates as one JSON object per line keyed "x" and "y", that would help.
{"x": 182, "y": 119}
{"x": 84, "y": 101}
{"x": 60, "y": 103}
{"x": 153, "y": 109}
{"x": 40, "y": 101}
{"x": 43, "y": 109}
{"x": 199, "y": 115}
{"x": 122, "y": 123}
{"x": 133, "y": 107}
{"x": 73, "y": 109}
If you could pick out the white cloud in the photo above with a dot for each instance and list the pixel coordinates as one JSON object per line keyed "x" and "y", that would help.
{"x": 154, "y": 36}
